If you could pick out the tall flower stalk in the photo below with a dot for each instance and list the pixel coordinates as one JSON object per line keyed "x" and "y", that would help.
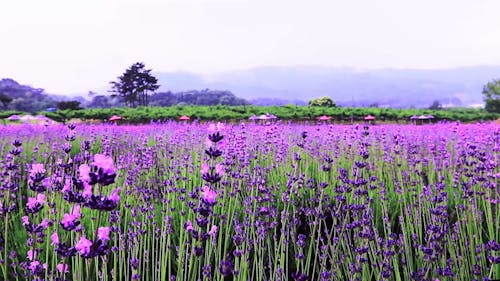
{"x": 170, "y": 201}
{"x": 9, "y": 203}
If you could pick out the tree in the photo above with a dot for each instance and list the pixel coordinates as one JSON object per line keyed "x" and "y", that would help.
{"x": 71, "y": 105}
{"x": 22, "y": 104}
{"x": 323, "y": 101}
{"x": 59, "y": 116}
{"x": 5, "y": 99}
{"x": 133, "y": 86}
{"x": 99, "y": 101}
{"x": 491, "y": 92}
{"x": 436, "y": 105}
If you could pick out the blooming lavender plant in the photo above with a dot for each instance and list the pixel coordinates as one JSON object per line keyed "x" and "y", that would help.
{"x": 272, "y": 202}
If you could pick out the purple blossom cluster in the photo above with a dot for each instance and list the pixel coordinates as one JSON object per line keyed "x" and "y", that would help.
{"x": 44, "y": 212}
{"x": 274, "y": 201}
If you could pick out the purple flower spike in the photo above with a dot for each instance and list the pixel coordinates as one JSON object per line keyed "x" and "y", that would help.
{"x": 115, "y": 197}
{"x": 62, "y": 268}
{"x": 40, "y": 198}
{"x": 188, "y": 226}
{"x": 226, "y": 268}
{"x": 70, "y": 221}
{"x": 36, "y": 169}
{"x": 45, "y": 223}
{"x": 36, "y": 268}
{"x": 297, "y": 276}
{"x": 205, "y": 168}
{"x": 105, "y": 163}
{"x": 103, "y": 233}
{"x": 208, "y": 195}
{"x": 54, "y": 238}
{"x": 213, "y": 231}
{"x": 106, "y": 172}
{"x": 219, "y": 168}
{"x": 65, "y": 250}
{"x": 83, "y": 246}
{"x": 87, "y": 190}
{"x": 25, "y": 220}
{"x": 84, "y": 171}
{"x": 216, "y": 128}
{"x": 215, "y": 137}
{"x": 30, "y": 255}
{"x": 33, "y": 206}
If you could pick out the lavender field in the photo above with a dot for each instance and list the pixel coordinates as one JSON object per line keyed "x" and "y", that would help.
{"x": 250, "y": 202}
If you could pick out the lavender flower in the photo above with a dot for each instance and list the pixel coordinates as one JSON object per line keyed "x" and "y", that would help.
{"x": 208, "y": 195}
{"x": 226, "y": 268}
{"x": 62, "y": 268}
{"x": 54, "y": 238}
{"x": 34, "y": 205}
{"x": 83, "y": 246}
{"x": 103, "y": 233}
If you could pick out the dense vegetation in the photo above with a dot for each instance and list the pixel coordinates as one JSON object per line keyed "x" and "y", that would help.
{"x": 17, "y": 97}
{"x": 14, "y": 96}
{"x": 208, "y": 104}
{"x": 192, "y": 97}
{"x": 491, "y": 93}
{"x": 289, "y": 112}
{"x": 250, "y": 202}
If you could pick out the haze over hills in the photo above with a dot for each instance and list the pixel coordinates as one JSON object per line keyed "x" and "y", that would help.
{"x": 396, "y": 88}
{"x": 347, "y": 86}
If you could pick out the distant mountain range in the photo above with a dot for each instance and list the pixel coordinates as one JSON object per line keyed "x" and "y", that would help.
{"x": 396, "y": 88}
{"x": 347, "y": 86}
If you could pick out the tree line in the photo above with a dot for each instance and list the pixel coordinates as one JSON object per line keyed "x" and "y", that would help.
{"x": 192, "y": 97}
{"x": 288, "y": 112}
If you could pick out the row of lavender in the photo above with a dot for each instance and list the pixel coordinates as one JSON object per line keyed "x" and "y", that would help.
{"x": 250, "y": 202}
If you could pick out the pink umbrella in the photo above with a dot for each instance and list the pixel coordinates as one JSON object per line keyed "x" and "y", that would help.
{"x": 324, "y": 118}
{"x": 369, "y": 118}
{"x": 115, "y": 118}
{"x": 184, "y": 118}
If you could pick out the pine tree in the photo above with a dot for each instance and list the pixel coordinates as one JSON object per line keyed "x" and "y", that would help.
{"x": 134, "y": 85}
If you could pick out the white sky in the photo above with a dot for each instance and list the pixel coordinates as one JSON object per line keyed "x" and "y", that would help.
{"x": 68, "y": 46}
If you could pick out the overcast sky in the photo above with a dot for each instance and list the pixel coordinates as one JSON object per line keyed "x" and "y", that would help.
{"x": 67, "y": 46}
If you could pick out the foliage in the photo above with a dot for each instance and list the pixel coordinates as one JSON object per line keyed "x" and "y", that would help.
{"x": 181, "y": 201}
{"x": 322, "y": 101}
{"x": 100, "y": 101}
{"x": 195, "y": 97}
{"x": 71, "y": 105}
{"x": 288, "y": 112}
{"x": 7, "y": 113}
{"x": 59, "y": 116}
{"x": 491, "y": 92}
{"x": 436, "y": 105}
{"x": 23, "y": 98}
{"x": 5, "y": 99}
{"x": 133, "y": 86}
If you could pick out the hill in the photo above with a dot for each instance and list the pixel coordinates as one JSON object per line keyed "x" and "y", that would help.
{"x": 26, "y": 98}
{"x": 347, "y": 86}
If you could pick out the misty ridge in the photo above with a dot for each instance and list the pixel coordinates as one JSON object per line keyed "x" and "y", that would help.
{"x": 394, "y": 88}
